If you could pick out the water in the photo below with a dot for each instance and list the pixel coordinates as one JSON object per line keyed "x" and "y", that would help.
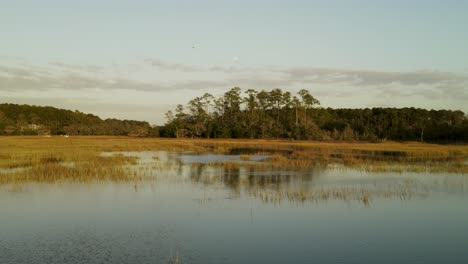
{"x": 205, "y": 214}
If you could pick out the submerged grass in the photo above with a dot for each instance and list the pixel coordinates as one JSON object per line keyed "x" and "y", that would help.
{"x": 79, "y": 158}
{"x": 346, "y": 194}
{"x": 277, "y": 186}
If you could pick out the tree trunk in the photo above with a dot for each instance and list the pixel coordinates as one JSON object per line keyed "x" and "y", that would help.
{"x": 296, "y": 117}
{"x": 305, "y": 117}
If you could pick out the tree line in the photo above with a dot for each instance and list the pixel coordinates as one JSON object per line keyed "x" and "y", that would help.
{"x": 281, "y": 114}
{"x": 250, "y": 114}
{"x": 39, "y": 120}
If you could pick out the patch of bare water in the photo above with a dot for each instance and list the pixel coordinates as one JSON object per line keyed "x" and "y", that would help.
{"x": 198, "y": 212}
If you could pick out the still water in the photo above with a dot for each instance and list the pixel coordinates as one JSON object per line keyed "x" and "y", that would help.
{"x": 196, "y": 212}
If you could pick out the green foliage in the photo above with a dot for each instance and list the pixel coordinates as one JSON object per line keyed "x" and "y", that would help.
{"x": 38, "y": 120}
{"x": 278, "y": 114}
{"x": 250, "y": 114}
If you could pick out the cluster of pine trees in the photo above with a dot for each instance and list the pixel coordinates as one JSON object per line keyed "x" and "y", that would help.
{"x": 250, "y": 114}
{"x": 38, "y": 120}
{"x": 280, "y": 114}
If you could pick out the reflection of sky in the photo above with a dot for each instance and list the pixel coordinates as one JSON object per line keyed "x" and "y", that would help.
{"x": 111, "y": 222}
{"x": 206, "y": 214}
{"x": 189, "y": 166}
{"x": 353, "y": 54}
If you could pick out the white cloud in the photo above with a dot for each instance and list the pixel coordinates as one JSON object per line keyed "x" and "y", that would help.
{"x": 151, "y": 83}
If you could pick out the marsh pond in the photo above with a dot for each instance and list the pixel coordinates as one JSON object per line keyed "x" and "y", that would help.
{"x": 188, "y": 207}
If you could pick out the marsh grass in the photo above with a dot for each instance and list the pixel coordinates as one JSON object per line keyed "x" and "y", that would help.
{"x": 45, "y": 159}
{"x": 95, "y": 169}
{"x": 377, "y": 157}
{"x": 245, "y": 157}
{"x": 55, "y": 160}
{"x": 346, "y": 194}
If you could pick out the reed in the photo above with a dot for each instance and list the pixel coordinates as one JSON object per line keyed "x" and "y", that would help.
{"x": 245, "y": 157}
{"x": 58, "y": 163}
{"x": 79, "y": 158}
{"x": 345, "y": 194}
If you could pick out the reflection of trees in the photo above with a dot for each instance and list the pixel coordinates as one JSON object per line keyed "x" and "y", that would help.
{"x": 231, "y": 178}
{"x": 196, "y": 174}
{"x": 272, "y": 184}
{"x": 269, "y": 181}
{"x": 276, "y": 186}
{"x": 246, "y": 177}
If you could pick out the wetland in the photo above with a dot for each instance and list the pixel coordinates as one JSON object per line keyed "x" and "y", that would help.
{"x": 140, "y": 200}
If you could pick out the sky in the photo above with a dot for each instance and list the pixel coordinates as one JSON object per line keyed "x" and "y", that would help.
{"x": 138, "y": 59}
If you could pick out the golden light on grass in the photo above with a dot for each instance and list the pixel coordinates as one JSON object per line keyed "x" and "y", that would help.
{"x": 79, "y": 158}
{"x": 245, "y": 157}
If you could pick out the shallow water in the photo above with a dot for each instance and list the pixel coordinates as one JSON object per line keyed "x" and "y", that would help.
{"x": 200, "y": 213}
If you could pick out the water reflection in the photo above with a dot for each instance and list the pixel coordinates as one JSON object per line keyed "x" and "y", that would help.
{"x": 205, "y": 212}
{"x": 274, "y": 185}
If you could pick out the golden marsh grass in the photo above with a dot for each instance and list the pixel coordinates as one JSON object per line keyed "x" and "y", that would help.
{"x": 79, "y": 158}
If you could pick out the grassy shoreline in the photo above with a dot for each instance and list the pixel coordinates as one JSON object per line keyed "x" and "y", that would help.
{"x": 135, "y": 143}
{"x": 79, "y": 158}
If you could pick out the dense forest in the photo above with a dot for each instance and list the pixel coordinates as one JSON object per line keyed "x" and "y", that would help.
{"x": 250, "y": 114}
{"x": 38, "y": 120}
{"x": 280, "y": 114}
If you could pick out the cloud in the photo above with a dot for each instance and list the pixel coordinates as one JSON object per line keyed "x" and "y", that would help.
{"x": 76, "y": 77}
{"x": 171, "y": 66}
{"x": 73, "y": 67}
{"x": 366, "y": 78}
{"x": 23, "y": 79}
{"x": 156, "y": 76}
